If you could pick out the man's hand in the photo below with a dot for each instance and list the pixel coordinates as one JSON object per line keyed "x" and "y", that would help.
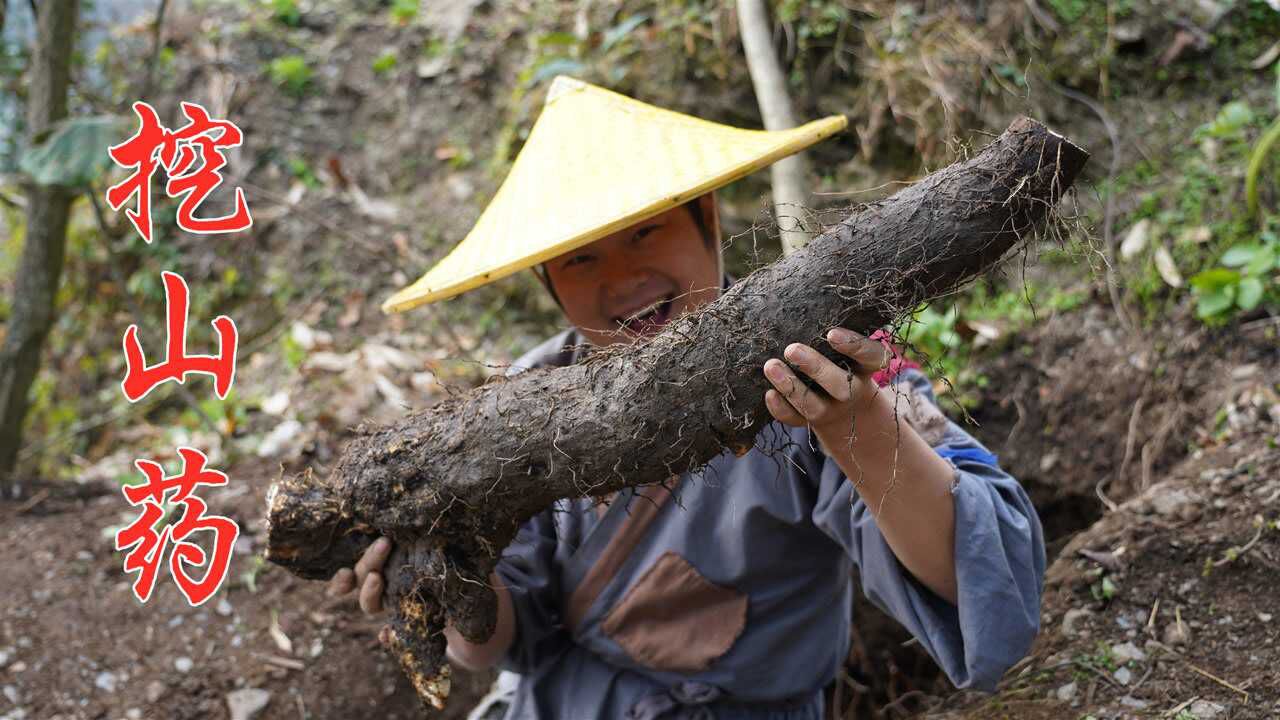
{"x": 847, "y": 393}
{"x": 367, "y": 576}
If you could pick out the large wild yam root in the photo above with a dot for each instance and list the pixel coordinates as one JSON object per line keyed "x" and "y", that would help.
{"x": 452, "y": 484}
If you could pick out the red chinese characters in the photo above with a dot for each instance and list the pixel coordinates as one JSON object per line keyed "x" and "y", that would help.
{"x": 149, "y": 545}
{"x": 153, "y": 146}
{"x": 139, "y": 379}
{"x": 192, "y": 157}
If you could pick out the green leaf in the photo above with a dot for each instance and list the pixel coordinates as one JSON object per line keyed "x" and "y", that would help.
{"x": 1249, "y": 294}
{"x": 1216, "y": 302}
{"x": 1231, "y": 120}
{"x": 1214, "y": 279}
{"x": 1262, "y": 262}
{"x": 75, "y": 153}
{"x": 1238, "y": 255}
{"x": 620, "y": 31}
{"x": 556, "y": 66}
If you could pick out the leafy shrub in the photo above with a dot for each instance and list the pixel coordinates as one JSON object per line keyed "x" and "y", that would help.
{"x": 292, "y": 73}
{"x": 386, "y": 62}
{"x": 1248, "y": 276}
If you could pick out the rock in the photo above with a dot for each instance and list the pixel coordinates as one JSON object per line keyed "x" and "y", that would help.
{"x": 330, "y": 361}
{"x": 1176, "y": 633}
{"x": 1123, "y": 675}
{"x": 105, "y": 681}
{"x": 1071, "y": 619}
{"x": 247, "y": 702}
{"x": 133, "y": 714}
{"x": 155, "y": 691}
{"x": 284, "y": 437}
{"x": 1067, "y": 692}
{"x": 5, "y": 655}
{"x": 276, "y": 403}
{"x": 223, "y": 608}
{"x": 1206, "y": 710}
{"x": 1170, "y": 503}
{"x": 1133, "y": 702}
{"x": 183, "y": 664}
{"x": 10, "y": 693}
{"x": 1264, "y": 617}
{"x": 1167, "y": 268}
{"x": 1126, "y": 652}
{"x": 1135, "y": 240}
{"x": 308, "y": 338}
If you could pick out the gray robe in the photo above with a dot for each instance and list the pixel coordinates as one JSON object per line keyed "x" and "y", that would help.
{"x": 731, "y": 598}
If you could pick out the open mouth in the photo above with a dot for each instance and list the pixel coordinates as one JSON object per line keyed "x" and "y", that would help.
{"x": 648, "y": 318}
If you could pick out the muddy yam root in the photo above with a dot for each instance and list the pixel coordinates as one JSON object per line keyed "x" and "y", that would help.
{"x": 451, "y": 485}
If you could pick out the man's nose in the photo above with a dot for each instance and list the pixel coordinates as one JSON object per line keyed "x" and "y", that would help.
{"x": 625, "y": 280}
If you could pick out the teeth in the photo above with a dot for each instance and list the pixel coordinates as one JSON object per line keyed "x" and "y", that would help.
{"x": 641, "y": 314}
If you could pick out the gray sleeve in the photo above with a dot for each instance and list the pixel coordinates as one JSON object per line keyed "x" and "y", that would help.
{"x": 527, "y": 569}
{"x": 1000, "y": 560}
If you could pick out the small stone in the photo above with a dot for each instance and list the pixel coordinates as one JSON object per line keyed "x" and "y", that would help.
{"x": 223, "y": 608}
{"x": 1206, "y": 710}
{"x": 1067, "y": 692}
{"x": 1172, "y": 502}
{"x": 1127, "y": 651}
{"x": 176, "y": 620}
{"x": 1071, "y": 619}
{"x": 10, "y": 693}
{"x": 1133, "y": 702}
{"x": 247, "y": 702}
{"x": 1123, "y": 676}
{"x": 155, "y": 691}
{"x": 183, "y": 664}
{"x": 1176, "y": 633}
{"x": 84, "y": 555}
{"x": 24, "y": 642}
{"x": 1264, "y": 617}
{"x": 133, "y": 714}
{"x": 276, "y": 403}
{"x": 105, "y": 681}
{"x": 5, "y": 655}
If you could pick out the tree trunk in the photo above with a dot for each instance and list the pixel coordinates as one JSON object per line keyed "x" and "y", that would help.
{"x": 46, "y": 235}
{"x": 788, "y": 175}
{"x": 451, "y": 485}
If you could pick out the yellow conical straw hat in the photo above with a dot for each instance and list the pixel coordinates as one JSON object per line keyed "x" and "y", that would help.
{"x": 596, "y": 162}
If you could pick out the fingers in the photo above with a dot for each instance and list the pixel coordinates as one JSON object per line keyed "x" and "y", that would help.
{"x": 829, "y": 376}
{"x": 782, "y": 410}
{"x": 342, "y": 582}
{"x": 870, "y": 355}
{"x": 371, "y": 593}
{"x": 374, "y": 557}
{"x": 808, "y": 404}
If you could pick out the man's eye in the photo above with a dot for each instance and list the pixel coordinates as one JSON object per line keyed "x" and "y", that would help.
{"x": 642, "y": 232}
{"x": 578, "y": 260}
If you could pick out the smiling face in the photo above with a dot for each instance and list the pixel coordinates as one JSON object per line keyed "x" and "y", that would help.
{"x": 629, "y": 284}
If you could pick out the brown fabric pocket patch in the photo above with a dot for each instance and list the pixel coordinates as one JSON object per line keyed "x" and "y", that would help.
{"x": 676, "y": 620}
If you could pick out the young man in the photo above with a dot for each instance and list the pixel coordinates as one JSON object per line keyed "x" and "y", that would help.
{"x": 728, "y": 596}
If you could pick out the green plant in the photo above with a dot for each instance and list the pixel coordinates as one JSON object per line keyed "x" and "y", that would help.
{"x": 403, "y": 12}
{"x": 1246, "y": 278}
{"x": 286, "y": 12}
{"x": 386, "y": 62}
{"x": 1261, "y": 151}
{"x": 292, "y": 73}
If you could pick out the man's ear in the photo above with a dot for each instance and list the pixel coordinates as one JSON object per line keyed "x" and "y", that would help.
{"x": 710, "y": 211}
